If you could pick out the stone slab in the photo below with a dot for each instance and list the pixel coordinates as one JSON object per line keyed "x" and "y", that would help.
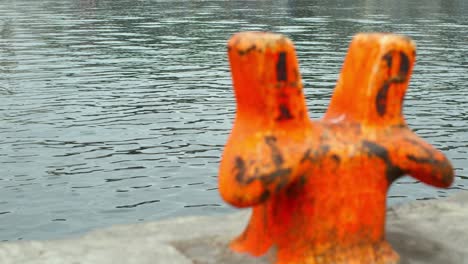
{"x": 429, "y": 232}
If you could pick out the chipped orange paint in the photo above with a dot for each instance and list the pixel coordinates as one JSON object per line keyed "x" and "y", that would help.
{"x": 318, "y": 188}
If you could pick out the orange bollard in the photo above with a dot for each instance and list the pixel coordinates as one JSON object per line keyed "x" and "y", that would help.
{"x": 318, "y": 188}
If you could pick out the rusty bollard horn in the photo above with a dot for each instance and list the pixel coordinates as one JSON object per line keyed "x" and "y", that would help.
{"x": 318, "y": 188}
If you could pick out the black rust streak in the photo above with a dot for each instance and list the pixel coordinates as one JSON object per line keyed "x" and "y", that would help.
{"x": 264, "y": 196}
{"x": 317, "y": 155}
{"x": 276, "y": 155}
{"x": 393, "y": 172}
{"x": 279, "y": 176}
{"x": 284, "y": 113}
{"x": 381, "y": 99}
{"x": 248, "y": 50}
{"x": 269, "y": 178}
{"x": 404, "y": 64}
{"x": 421, "y": 160}
{"x": 388, "y": 58}
{"x": 418, "y": 144}
{"x": 336, "y": 158}
{"x": 281, "y": 67}
{"x": 401, "y": 77}
{"x": 241, "y": 169}
{"x": 306, "y": 156}
{"x": 429, "y": 155}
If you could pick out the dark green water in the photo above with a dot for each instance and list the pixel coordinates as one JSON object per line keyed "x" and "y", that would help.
{"x": 117, "y": 111}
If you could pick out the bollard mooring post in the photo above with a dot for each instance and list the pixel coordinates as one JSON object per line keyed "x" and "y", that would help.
{"x": 318, "y": 188}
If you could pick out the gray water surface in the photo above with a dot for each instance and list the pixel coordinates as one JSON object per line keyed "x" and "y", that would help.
{"x": 117, "y": 111}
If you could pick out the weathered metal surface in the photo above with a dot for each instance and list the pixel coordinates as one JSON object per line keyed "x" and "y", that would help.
{"x": 318, "y": 188}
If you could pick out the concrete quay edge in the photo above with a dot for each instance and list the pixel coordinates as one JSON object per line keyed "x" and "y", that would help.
{"x": 429, "y": 232}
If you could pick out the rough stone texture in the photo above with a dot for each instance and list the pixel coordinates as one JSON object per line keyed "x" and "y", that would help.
{"x": 429, "y": 232}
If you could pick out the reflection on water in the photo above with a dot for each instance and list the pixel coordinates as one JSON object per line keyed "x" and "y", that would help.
{"x": 117, "y": 112}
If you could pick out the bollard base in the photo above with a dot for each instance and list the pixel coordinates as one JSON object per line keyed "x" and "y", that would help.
{"x": 379, "y": 253}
